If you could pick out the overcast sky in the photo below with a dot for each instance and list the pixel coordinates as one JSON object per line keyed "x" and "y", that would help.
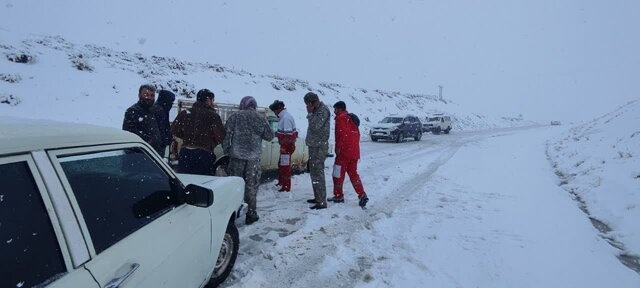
{"x": 566, "y": 59}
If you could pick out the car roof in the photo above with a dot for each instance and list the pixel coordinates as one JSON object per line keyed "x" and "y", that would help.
{"x": 399, "y": 116}
{"x": 22, "y": 135}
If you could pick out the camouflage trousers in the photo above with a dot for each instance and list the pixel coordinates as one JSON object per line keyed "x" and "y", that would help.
{"x": 317, "y": 155}
{"x": 250, "y": 171}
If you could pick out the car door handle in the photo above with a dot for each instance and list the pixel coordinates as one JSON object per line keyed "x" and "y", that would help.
{"x": 116, "y": 282}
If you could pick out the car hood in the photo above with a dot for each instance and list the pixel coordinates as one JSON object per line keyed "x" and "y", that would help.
{"x": 215, "y": 183}
{"x": 385, "y": 125}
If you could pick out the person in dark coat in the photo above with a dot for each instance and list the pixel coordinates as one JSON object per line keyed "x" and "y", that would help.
{"x": 347, "y": 155}
{"x": 201, "y": 130}
{"x": 245, "y": 130}
{"x": 161, "y": 108}
{"x": 140, "y": 119}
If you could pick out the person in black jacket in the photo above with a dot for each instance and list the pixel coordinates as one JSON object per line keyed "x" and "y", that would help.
{"x": 161, "y": 109}
{"x": 140, "y": 119}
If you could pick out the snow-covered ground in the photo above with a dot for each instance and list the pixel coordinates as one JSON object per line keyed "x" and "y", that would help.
{"x": 599, "y": 164}
{"x": 472, "y": 209}
{"x": 497, "y": 203}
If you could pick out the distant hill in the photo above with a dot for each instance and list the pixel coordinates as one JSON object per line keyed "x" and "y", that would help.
{"x": 49, "y": 77}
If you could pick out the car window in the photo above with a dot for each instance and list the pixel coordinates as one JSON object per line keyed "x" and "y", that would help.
{"x": 274, "y": 122}
{"x": 29, "y": 249}
{"x": 391, "y": 120}
{"x": 118, "y": 192}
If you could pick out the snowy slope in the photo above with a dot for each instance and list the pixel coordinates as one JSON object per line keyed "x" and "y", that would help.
{"x": 599, "y": 163}
{"x": 104, "y": 83}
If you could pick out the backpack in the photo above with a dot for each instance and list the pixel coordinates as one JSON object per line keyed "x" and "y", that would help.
{"x": 355, "y": 119}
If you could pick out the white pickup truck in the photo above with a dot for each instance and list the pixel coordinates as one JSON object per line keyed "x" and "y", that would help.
{"x": 270, "y": 149}
{"x": 437, "y": 123}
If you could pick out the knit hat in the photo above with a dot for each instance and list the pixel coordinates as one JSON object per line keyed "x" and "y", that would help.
{"x": 248, "y": 102}
{"x": 340, "y": 105}
{"x": 204, "y": 94}
{"x": 276, "y": 105}
{"x": 166, "y": 99}
{"x": 311, "y": 97}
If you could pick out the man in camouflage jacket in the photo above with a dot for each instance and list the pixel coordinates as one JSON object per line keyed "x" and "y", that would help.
{"x": 244, "y": 132}
{"x": 318, "y": 141}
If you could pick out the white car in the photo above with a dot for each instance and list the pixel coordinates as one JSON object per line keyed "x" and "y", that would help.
{"x": 87, "y": 206}
{"x": 437, "y": 123}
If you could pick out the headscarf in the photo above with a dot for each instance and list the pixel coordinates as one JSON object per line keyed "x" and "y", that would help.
{"x": 248, "y": 102}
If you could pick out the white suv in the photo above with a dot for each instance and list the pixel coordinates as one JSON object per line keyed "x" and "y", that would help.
{"x": 437, "y": 123}
{"x": 87, "y": 206}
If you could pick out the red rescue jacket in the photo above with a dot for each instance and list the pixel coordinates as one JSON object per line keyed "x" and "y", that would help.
{"x": 347, "y": 137}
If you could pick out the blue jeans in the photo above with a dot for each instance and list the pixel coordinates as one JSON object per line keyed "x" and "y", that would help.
{"x": 196, "y": 161}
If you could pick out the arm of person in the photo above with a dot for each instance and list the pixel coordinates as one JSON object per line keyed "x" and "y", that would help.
{"x": 219, "y": 131}
{"x": 228, "y": 136}
{"x": 341, "y": 129}
{"x": 128, "y": 124}
{"x": 267, "y": 132}
{"x": 177, "y": 125}
{"x": 318, "y": 120}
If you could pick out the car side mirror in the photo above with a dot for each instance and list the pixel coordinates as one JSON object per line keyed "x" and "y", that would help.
{"x": 198, "y": 196}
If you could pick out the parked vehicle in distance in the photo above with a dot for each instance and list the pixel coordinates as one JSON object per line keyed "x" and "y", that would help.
{"x": 437, "y": 123}
{"x": 397, "y": 128}
{"x": 270, "y": 149}
{"x": 88, "y": 206}
{"x": 555, "y": 123}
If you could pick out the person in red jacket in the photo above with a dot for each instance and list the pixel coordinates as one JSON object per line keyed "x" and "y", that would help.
{"x": 287, "y": 136}
{"x": 347, "y": 155}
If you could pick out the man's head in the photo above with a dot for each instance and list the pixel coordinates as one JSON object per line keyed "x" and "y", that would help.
{"x": 205, "y": 96}
{"x": 312, "y": 101}
{"x": 248, "y": 102}
{"x": 339, "y": 106}
{"x": 277, "y": 107}
{"x": 147, "y": 95}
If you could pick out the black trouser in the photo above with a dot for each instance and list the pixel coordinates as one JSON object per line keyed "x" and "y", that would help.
{"x": 196, "y": 161}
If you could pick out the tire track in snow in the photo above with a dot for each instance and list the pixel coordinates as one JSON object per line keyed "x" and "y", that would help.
{"x": 311, "y": 244}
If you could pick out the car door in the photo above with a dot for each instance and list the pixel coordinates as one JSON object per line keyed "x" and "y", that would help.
{"x": 33, "y": 248}
{"x": 414, "y": 126}
{"x": 138, "y": 232}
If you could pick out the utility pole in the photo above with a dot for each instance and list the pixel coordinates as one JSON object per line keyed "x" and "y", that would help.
{"x": 440, "y": 92}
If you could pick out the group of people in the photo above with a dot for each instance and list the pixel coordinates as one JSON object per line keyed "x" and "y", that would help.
{"x": 201, "y": 129}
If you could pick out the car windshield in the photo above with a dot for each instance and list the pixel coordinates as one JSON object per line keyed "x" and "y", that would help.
{"x": 434, "y": 119}
{"x": 391, "y": 120}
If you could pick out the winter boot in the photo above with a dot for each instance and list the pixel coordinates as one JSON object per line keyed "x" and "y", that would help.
{"x": 312, "y": 201}
{"x": 319, "y": 206}
{"x": 336, "y": 200}
{"x": 363, "y": 201}
{"x": 252, "y": 216}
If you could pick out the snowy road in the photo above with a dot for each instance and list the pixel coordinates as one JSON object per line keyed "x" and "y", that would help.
{"x": 479, "y": 209}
